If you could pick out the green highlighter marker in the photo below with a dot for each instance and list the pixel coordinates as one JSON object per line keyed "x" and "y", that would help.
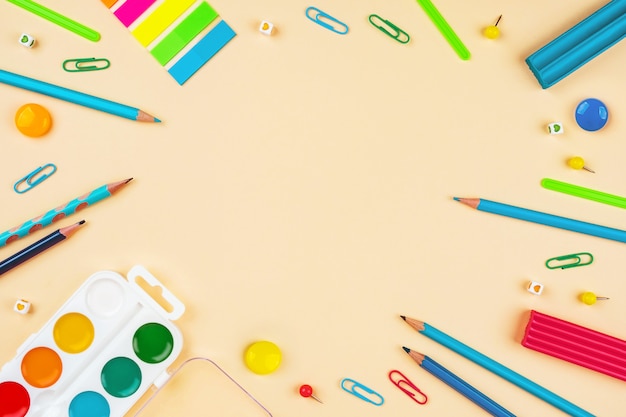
{"x": 445, "y": 29}
{"x": 57, "y": 18}
{"x": 582, "y": 192}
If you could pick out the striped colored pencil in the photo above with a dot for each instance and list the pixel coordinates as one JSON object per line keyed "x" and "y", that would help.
{"x": 497, "y": 368}
{"x": 458, "y": 384}
{"x": 38, "y": 247}
{"x": 61, "y": 212}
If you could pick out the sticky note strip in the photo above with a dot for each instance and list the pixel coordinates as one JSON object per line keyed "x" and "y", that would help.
{"x": 109, "y": 3}
{"x": 208, "y": 46}
{"x": 131, "y": 10}
{"x": 160, "y": 19}
{"x": 184, "y": 33}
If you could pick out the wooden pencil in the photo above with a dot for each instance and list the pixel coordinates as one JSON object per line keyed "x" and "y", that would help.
{"x": 497, "y": 368}
{"x": 462, "y": 387}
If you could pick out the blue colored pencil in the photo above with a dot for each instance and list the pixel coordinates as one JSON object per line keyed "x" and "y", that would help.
{"x": 458, "y": 384}
{"x": 544, "y": 218}
{"x": 75, "y": 97}
{"x": 497, "y": 368}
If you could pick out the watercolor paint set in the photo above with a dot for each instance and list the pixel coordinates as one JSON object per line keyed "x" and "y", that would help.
{"x": 99, "y": 353}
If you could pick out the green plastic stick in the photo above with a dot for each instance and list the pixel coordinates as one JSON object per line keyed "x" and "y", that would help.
{"x": 445, "y": 29}
{"x": 582, "y": 192}
{"x": 57, "y": 18}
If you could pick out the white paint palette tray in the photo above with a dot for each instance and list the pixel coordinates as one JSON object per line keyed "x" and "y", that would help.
{"x": 98, "y": 354}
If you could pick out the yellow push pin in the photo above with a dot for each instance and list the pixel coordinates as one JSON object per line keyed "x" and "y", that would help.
{"x": 492, "y": 32}
{"x": 577, "y": 162}
{"x": 590, "y": 298}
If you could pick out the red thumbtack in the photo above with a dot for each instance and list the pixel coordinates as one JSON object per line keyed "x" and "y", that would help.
{"x": 307, "y": 391}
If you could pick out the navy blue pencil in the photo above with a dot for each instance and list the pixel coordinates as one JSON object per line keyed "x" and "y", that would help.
{"x": 38, "y": 247}
{"x": 459, "y": 385}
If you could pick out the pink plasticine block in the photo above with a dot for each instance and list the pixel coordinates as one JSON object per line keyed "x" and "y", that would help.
{"x": 576, "y": 344}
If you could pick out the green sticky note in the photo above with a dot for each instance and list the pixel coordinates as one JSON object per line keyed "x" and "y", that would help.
{"x": 184, "y": 33}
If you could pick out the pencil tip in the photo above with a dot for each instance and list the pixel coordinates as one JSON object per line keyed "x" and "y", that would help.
{"x": 81, "y": 222}
{"x": 157, "y": 120}
{"x": 406, "y": 349}
{"x": 128, "y": 180}
{"x": 403, "y": 318}
{"x": 456, "y": 198}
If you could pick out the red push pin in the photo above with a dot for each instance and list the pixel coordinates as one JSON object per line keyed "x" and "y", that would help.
{"x": 307, "y": 391}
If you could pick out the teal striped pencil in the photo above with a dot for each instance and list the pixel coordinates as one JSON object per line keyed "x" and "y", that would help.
{"x": 497, "y": 368}
{"x": 58, "y": 213}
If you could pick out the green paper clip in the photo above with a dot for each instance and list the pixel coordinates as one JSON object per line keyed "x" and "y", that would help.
{"x": 575, "y": 258}
{"x": 85, "y": 64}
{"x": 389, "y": 29}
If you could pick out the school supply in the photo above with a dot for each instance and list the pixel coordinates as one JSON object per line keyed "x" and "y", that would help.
{"x": 75, "y": 97}
{"x": 582, "y": 192}
{"x": 403, "y": 383}
{"x": 578, "y": 162}
{"x": 61, "y": 212}
{"x": 576, "y": 344}
{"x": 591, "y": 114}
{"x": 389, "y": 29}
{"x": 306, "y": 391}
{"x": 445, "y": 29}
{"x": 570, "y": 261}
{"x": 38, "y": 247}
{"x": 492, "y": 31}
{"x": 58, "y": 19}
{"x": 497, "y": 368}
{"x": 362, "y": 392}
{"x": 590, "y": 298}
{"x": 98, "y": 354}
{"x": 544, "y": 218}
{"x": 458, "y": 384}
{"x": 182, "y": 35}
{"x": 34, "y": 178}
{"x": 85, "y": 64}
{"x": 33, "y": 120}
{"x": 580, "y": 44}
{"x": 326, "y": 21}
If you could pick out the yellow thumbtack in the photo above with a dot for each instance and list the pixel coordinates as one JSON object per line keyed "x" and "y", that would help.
{"x": 590, "y": 298}
{"x": 492, "y": 32}
{"x": 577, "y": 162}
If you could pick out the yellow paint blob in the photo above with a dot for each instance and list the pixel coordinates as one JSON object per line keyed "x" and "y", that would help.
{"x": 73, "y": 332}
{"x": 33, "y": 120}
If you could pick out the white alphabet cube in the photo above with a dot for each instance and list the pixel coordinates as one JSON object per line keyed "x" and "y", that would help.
{"x": 535, "y": 288}
{"x": 27, "y": 40}
{"x": 21, "y": 306}
{"x": 555, "y": 128}
{"x": 266, "y": 28}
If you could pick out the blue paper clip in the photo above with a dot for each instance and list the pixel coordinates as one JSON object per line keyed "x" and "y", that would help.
{"x": 34, "y": 178}
{"x": 573, "y": 260}
{"x": 389, "y": 28}
{"x": 357, "y": 389}
{"x": 80, "y": 64}
{"x": 319, "y": 15}
{"x": 404, "y": 381}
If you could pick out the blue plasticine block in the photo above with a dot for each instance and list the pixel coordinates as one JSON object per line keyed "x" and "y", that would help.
{"x": 580, "y": 44}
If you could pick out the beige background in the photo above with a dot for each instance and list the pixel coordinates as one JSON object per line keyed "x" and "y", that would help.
{"x": 300, "y": 190}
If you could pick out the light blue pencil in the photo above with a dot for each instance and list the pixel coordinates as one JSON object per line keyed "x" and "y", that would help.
{"x": 458, "y": 384}
{"x": 497, "y": 368}
{"x": 544, "y": 218}
{"x": 75, "y": 97}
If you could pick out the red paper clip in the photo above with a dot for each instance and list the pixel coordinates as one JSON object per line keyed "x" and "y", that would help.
{"x": 405, "y": 381}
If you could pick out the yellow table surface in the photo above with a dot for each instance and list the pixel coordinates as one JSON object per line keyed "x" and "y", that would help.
{"x": 299, "y": 190}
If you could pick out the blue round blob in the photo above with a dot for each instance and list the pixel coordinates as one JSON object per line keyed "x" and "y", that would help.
{"x": 591, "y": 114}
{"x": 89, "y": 404}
